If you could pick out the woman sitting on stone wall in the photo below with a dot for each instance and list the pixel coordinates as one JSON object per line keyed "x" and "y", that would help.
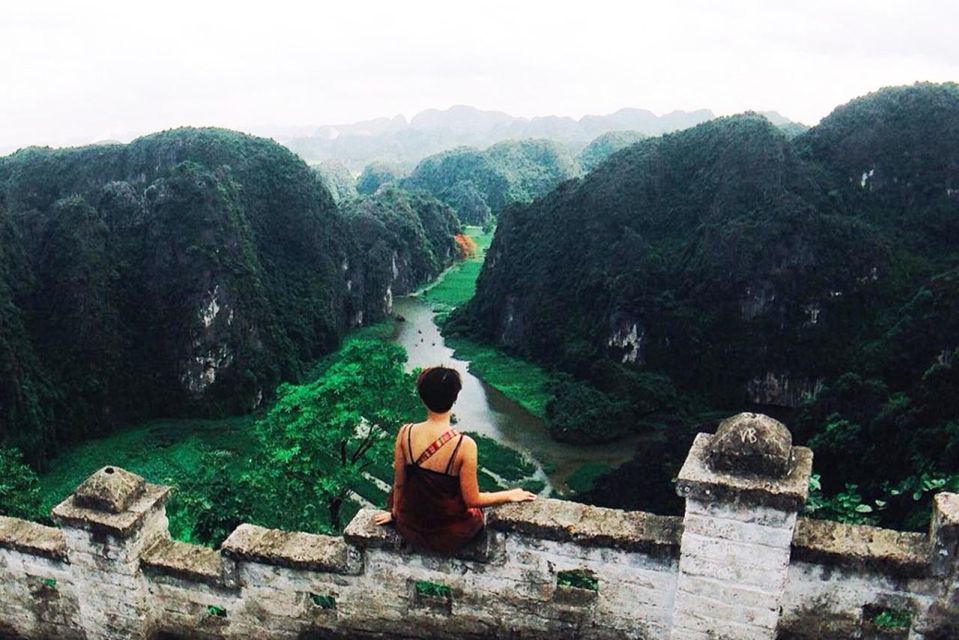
{"x": 435, "y": 501}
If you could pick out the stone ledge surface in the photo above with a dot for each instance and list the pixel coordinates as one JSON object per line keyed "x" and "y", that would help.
{"x": 182, "y": 560}
{"x": 589, "y": 526}
{"x": 293, "y": 549}
{"x": 364, "y": 533}
{"x": 858, "y": 546}
{"x": 121, "y": 524}
{"x": 30, "y": 537}
{"x": 947, "y": 509}
{"x": 698, "y": 480}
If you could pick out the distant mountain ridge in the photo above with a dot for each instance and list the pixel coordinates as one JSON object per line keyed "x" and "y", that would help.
{"x": 432, "y": 131}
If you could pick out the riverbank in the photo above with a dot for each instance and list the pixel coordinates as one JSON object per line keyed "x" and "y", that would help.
{"x": 517, "y": 379}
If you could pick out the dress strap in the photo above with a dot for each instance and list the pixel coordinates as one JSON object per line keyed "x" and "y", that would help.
{"x": 453, "y": 455}
{"x": 409, "y": 440}
{"x": 435, "y": 446}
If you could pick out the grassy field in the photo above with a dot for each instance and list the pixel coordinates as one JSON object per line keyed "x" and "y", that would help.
{"x": 517, "y": 379}
{"x": 162, "y": 451}
{"x": 583, "y": 478}
{"x": 458, "y": 284}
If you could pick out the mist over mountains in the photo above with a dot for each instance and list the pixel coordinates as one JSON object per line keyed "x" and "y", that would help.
{"x": 403, "y": 141}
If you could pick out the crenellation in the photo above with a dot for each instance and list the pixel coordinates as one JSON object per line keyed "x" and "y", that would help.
{"x": 187, "y": 561}
{"x": 895, "y": 553}
{"x": 735, "y": 567}
{"x": 32, "y": 538}
{"x": 292, "y": 549}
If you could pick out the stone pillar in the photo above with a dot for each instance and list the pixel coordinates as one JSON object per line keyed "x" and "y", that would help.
{"x": 941, "y": 620}
{"x": 108, "y": 522}
{"x": 743, "y": 489}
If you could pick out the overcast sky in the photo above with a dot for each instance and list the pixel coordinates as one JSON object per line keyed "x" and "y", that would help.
{"x": 73, "y": 72}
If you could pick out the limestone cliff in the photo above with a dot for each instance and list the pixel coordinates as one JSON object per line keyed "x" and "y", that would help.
{"x": 187, "y": 272}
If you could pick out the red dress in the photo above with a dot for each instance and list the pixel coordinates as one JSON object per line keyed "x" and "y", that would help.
{"x": 430, "y": 513}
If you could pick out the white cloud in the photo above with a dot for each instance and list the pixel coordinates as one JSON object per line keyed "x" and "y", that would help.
{"x": 73, "y": 72}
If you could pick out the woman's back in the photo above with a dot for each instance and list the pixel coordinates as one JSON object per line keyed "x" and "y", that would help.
{"x": 430, "y": 512}
{"x": 435, "y": 500}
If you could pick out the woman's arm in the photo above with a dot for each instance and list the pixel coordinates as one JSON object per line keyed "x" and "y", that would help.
{"x": 399, "y": 476}
{"x": 469, "y": 485}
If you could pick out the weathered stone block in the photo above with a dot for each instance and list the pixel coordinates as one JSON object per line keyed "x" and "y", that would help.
{"x": 737, "y": 530}
{"x": 32, "y": 538}
{"x": 944, "y": 534}
{"x": 702, "y": 622}
{"x": 699, "y": 481}
{"x": 589, "y": 526}
{"x": 739, "y": 509}
{"x": 891, "y": 552}
{"x": 124, "y": 524}
{"x": 186, "y": 561}
{"x": 751, "y": 444}
{"x": 743, "y": 554}
{"x": 110, "y": 489}
{"x": 292, "y": 549}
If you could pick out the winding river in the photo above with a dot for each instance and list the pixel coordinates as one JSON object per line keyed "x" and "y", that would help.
{"x": 483, "y": 409}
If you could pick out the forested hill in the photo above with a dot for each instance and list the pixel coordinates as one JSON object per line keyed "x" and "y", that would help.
{"x": 479, "y": 184}
{"x": 186, "y": 272}
{"x": 728, "y": 265}
{"x": 731, "y": 264}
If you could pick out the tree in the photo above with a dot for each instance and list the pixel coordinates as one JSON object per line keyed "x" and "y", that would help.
{"x": 321, "y": 437}
{"x": 19, "y": 488}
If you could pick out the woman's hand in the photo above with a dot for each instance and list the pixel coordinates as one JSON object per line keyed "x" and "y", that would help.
{"x": 384, "y": 517}
{"x": 520, "y": 495}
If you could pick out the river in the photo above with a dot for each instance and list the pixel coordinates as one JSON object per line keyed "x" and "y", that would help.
{"x": 483, "y": 409}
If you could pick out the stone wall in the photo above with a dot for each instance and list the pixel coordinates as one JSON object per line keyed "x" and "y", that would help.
{"x": 739, "y": 565}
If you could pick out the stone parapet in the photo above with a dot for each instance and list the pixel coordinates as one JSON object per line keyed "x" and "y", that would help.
{"x": 734, "y": 567}
{"x": 590, "y": 526}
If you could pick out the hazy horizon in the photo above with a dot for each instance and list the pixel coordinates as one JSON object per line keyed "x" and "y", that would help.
{"x": 109, "y": 70}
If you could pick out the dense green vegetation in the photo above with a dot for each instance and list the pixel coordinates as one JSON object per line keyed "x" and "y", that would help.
{"x": 19, "y": 487}
{"x": 320, "y": 437}
{"x": 729, "y": 265}
{"x": 480, "y": 184}
{"x": 606, "y": 145}
{"x": 408, "y": 239}
{"x": 187, "y": 273}
{"x": 233, "y": 470}
{"x": 377, "y": 174}
{"x": 584, "y": 479}
{"x": 337, "y": 179}
{"x": 458, "y": 285}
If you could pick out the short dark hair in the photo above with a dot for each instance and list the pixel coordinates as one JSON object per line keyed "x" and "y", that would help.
{"x": 438, "y": 388}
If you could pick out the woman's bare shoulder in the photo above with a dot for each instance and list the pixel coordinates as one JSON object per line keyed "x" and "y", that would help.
{"x": 468, "y": 444}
